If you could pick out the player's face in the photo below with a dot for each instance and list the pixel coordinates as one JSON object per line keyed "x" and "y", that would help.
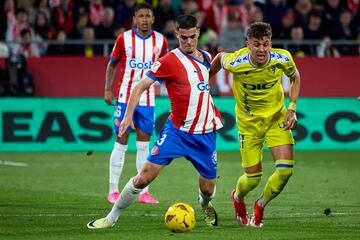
{"x": 144, "y": 19}
{"x": 188, "y": 39}
{"x": 259, "y": 50}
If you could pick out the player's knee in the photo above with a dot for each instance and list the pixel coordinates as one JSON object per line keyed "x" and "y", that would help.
{"x": 141, "y": 181}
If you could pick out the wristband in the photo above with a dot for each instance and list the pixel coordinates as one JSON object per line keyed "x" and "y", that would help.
{"x": 292, "y": 106}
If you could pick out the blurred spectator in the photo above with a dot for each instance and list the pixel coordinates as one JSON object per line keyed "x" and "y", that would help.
{"x": 274, "y": 10}
{"x": 106, "y": 29}
{"x": 61, "y": 48}
{"x": 14, "y": 28}
{"x": 7, "y": 16}
{"x": 297, "y": 48}
{"x": 43, "y": 6}
{"x": 169, "y": 29}
{"x": 77, "y": 31}
{"x": 30, "y": 9}
{"x": 247, "y": 11}
{"x": 287, "y": 22}
{"x": 232, "y": 37}
{"x": 332, "y": 11}
{"x": 163, "y": 12}
{"x": 189, "y": 7}
{"x": 41, "y": 31}
{"x": 96, "y": 12}
{"x": 124, "y": 14}
{"x": 344, "y": 31}
{"x": 26, "y": 47}
{"x": 216, "y": 16}
{"x": 62, "y": 15}
{"x": 302, "y": 10}
{"x": 326, "y": 49}
{"x": 313, "y": 30}
{"x": 89, "y": 49}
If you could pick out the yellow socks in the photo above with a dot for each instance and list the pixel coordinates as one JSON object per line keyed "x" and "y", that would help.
{"x": 246, "y": 183}
{"x": 277, "y": 181}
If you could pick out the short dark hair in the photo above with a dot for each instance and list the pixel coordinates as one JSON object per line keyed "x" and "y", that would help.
{"x": 143, "y": 5}
{"x": 259, "y": 30}
{"x": 186, "y": 21}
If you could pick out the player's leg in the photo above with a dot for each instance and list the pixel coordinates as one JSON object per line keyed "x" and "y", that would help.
{"x": 117, "y": 157}
{"x": 251, "y": 148}
{"x": 280, "y": 143}
{"x": 207, "y": 190}
{"x": 128, "y": 194}
{"x": 201, "y": 151}
{"x": 144, "y": 121}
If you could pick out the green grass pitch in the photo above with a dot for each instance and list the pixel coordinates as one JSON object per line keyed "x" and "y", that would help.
{"x": 54, "y": 195}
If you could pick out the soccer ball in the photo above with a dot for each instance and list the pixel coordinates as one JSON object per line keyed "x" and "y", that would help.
{"x": 180, "y": 217}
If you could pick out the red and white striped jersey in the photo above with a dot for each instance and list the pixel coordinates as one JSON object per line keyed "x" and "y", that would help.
{"x": 187, "y": 82}
{"x": 136, "y": 55}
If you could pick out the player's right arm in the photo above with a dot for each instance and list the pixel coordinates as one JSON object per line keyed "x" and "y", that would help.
{"x": 109, "y": 78}
{"x": 215, "y": 65}
{"x": 116, "y": 55}
{"x": 135, "y": 95}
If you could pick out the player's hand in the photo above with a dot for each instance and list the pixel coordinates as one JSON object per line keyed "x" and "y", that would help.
{"x": 290, "y": 120}
{"x": 108, "y": 97}
{"x": 125, "y": 123}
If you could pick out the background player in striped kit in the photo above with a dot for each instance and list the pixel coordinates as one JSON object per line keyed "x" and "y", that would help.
{"x": 136, "y": 50}
{"x": 190, "y": 130}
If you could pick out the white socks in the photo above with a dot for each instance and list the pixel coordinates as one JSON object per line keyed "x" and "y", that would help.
{"x": 117, "y": 159}
{"x": 127, "y": 196}
{"x": 141, "y": 155}
{"x": 204, "y": 200}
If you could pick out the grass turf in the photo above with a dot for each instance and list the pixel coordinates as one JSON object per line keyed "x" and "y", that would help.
{"x": 54, "y": 195}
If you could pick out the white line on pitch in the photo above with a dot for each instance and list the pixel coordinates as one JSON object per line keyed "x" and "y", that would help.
{"x": 49, "y": 215}
{"x": 13, "y": 163}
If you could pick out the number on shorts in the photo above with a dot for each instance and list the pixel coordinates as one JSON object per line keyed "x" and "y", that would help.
{"x": 161, "y": 140}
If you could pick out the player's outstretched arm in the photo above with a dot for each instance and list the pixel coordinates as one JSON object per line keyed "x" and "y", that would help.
{"x": 109, "y": 78}
{"x": 143, "y": 84}
{"x": 294, "y": 91}
{"x": 215, "y": 65}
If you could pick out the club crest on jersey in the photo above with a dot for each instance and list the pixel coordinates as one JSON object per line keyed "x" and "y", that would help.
{"x": 155, "y": 66}
{"x": 154, "y": 151}
{"x": 156, "y": 50}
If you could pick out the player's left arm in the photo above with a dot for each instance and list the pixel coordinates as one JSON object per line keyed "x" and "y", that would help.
{"x": 216, "y": 64}
{"x": 290, "y": 118}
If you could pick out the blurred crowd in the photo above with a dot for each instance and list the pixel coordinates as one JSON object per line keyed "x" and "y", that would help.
{"x": 26, "y": 26}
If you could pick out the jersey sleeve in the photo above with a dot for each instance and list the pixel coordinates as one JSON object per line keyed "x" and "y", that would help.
{"x": 160, "y": 70}
{"x": 165, "y": 47}
{"x": 118, "y": 50}
{"x": 233, "y": 61}
{"x": 288, "y": 65}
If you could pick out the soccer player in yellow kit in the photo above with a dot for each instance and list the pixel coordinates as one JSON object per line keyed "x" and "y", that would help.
{"x": 261, "y": 116}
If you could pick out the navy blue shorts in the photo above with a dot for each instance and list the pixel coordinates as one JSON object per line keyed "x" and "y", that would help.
{"x": 143, "y": 117}
{"x": 199, "y": 149}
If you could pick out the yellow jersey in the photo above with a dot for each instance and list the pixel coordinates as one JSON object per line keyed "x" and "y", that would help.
{"x": 257, "y": 90}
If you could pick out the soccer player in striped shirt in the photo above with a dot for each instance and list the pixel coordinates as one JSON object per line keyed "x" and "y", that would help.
{"x": 261, "y": 116}
{"x": 190, "y": 130}
{"x": 136, "y": 50}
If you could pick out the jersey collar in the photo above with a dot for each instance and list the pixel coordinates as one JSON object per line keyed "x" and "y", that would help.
{"x": 141, "y": 37}
{"x": 254, "y": 65}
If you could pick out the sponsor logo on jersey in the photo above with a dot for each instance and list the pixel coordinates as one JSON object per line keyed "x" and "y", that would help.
{"x": 140, "y": 65}
{"x": 259, "y": 86}
{"x": 203, "y": 86}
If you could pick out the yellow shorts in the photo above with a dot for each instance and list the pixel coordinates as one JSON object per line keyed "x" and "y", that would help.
{"x": 260, "y": 132}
